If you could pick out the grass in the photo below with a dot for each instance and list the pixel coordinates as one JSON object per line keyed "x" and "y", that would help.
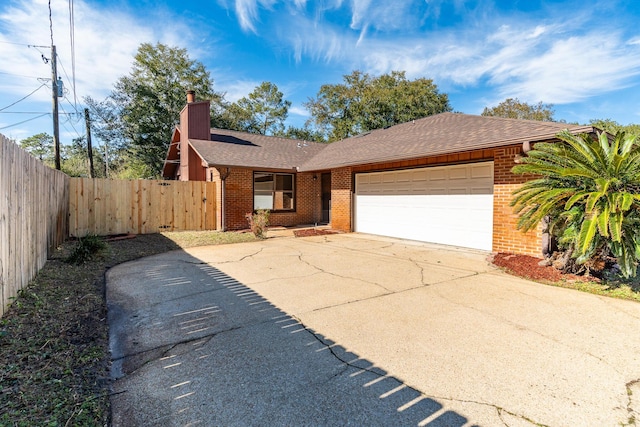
{"x": 54, "y": 359}
{"x": 628, "y": 289}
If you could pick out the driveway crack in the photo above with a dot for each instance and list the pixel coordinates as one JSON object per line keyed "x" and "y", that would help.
{"x": 348, "y": 364}
{"x": 214, "y": 263}
{"x": 165, "y": 349}
{"x": 300, "y": 257}
{"x": 632, "y": 411}
{"x": 533, "y": 331}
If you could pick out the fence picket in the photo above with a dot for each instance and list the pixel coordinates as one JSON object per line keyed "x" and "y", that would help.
{"x": 41, "y": 207}
{"x": 34, "y": 206}
{"x": 140, "y": 206}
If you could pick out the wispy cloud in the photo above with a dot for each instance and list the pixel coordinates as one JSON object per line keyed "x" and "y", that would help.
{"x": 299, "y": 111}
{"x": 558, "y": 57}
{"x": 247, "y": 11}
{"x": 236, "y": 89}
{"x": 103, "y": 52}
{"x": 106, "y": 39}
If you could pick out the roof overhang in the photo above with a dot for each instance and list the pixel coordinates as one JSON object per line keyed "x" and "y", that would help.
{"x": 172, "y": 159}
{"x": 529, "y": 140}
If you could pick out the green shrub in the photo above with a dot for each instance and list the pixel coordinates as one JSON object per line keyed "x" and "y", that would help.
{"x": 589, "y": 187}
{"x": 85, "y": 249}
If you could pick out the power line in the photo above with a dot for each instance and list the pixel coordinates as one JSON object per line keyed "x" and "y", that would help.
{"x": 72, "y": 36}
{"x": 35, "y": 112}
{"x": 25, "y": 121}
{"x": 71, "y": 116}
{"x": 74, "y": 128}
{"x": 75, "y": 109}
{"x": 19, "y": 44}
{"x": 23, "y": 98}
{"x": 19, "y": 75}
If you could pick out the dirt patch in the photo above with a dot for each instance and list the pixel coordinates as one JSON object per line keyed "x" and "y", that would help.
{"x": 528, "y": 267}
{"x": 306, "y": 232}
{"x": 54, "y": 353}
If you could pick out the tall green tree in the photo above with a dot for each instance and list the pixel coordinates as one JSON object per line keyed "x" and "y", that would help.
{"x": 75, "y": 159}
{"x": 144, "y": 106}
{"x": 263, "y": 111}
{"x": 305, "y": 133}
{"x": 611, "y": 126}
{"x": 513, "y": 108}
{"x": 40, "y": 146}
{"x": 108, "y": 128}
{"x": 590, "y": 189}
{"x": 364, "y": 102}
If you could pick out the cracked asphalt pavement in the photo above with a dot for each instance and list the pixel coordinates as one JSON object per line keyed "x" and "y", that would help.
{"x": 360, "y": 330}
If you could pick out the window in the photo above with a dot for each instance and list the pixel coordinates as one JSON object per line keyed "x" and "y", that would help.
{"x": 273, "y": 191}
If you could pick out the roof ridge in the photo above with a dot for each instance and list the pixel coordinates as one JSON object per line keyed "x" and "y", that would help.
{"x": 259, "y": 135}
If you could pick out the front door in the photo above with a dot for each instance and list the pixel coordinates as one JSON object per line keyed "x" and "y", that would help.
{"x": 326, "y": 197}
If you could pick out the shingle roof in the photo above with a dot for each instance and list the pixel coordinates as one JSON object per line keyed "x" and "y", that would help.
{"x": 232, "y": 148}
{"x": 434, "y": 135}
{"x": 431, "y": 136}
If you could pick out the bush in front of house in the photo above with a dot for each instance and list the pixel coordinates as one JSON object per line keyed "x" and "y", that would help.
{"x": 589, "y": 187}
{"x": 258, "y": 222}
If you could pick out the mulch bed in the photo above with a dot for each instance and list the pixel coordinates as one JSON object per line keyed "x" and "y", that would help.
{"x": 527, "y": 267}
{"x": 306, "y": 232}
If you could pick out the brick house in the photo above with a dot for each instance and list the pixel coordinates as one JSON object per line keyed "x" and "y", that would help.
{"x": 445, "y": 178}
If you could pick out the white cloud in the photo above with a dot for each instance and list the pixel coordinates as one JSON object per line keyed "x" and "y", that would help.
{"x": 236, "y": 89}
{"x": 533, "y": 63}
{"x": 384, "y": 16}
{"x": 247, "y": 11}
{"x": 319, "y": 41}
{"x": 105, "y": 43}
{"x": 106, "y": 39}
{"x": 298, "y": 111}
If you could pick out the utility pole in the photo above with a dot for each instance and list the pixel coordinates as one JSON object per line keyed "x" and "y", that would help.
{"x": 54, "y": 87}
{"x": 87, "y": 122}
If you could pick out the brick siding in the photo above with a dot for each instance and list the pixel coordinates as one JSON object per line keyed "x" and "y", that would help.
{"x": 506, "y": 236}
{"x": 239, "y": 200}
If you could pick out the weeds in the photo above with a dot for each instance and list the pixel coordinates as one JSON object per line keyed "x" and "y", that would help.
{"x": 258, "y": 222}
{"x": 86, "y": 248}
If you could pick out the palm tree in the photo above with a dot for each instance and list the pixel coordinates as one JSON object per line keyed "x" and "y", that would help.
{"x": 590, "y": 188}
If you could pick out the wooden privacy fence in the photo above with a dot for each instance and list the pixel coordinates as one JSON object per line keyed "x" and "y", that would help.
{"x": 34, "y": 202}
{"x": 107, "y": 207}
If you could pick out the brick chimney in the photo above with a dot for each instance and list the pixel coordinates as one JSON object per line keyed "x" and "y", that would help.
{"x": 195, "y": 123}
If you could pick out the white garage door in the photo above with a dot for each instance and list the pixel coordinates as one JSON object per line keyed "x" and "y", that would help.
{"x": 452, "y": 205}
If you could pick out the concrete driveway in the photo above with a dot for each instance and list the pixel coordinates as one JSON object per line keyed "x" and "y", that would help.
{"x": 360, "y": 330}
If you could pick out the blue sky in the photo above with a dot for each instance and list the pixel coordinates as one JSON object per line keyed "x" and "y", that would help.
{"x": 582, "y": 56}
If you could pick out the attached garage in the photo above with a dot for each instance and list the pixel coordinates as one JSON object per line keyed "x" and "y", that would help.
{"x": 450, "y": 205}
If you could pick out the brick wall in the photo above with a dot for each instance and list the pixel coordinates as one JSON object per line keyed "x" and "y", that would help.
{"x": 341, "y": 190}
{"x": 506, "y": 236}
{"x": 239, "y": 200}
{"x": 238, "y": 194}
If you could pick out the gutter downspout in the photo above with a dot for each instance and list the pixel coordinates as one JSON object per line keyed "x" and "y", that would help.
{"x": 223, "y": 177}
